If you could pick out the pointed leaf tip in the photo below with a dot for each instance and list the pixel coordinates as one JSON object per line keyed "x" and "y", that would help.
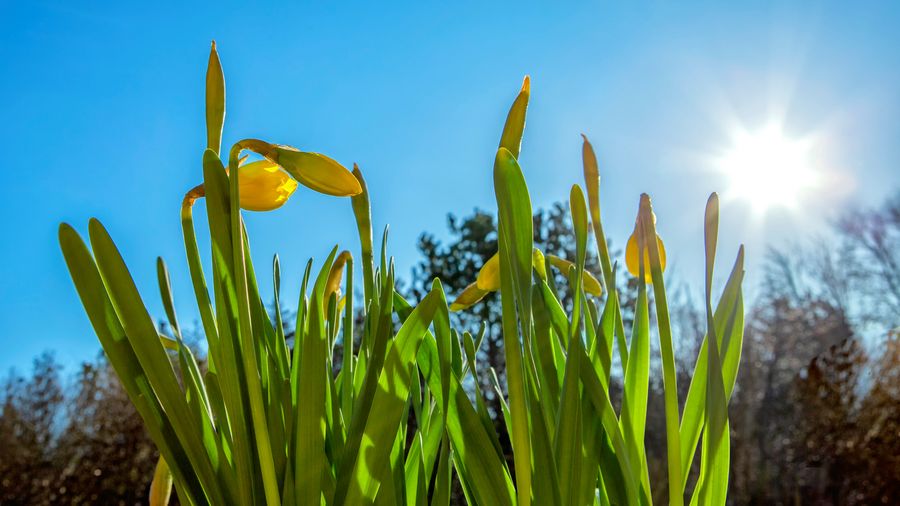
{"x": 514, "y": 127}
{"x": 94, "y": 223}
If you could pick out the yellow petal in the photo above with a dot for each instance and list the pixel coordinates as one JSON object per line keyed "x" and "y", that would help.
{"x": 590, "y": 283}
{"x": 631, "y": 257}
{"x": 489, "y": 275}
{"x": 264, "y": 186}
{"x": 468, "y": 298}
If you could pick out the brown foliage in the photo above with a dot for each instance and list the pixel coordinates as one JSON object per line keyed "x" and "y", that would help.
{"x": 88, "y": 447}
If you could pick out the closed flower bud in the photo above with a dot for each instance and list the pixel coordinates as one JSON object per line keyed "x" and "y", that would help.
{"x": 316, "y": 171}
{"x": 631, "y": 257}
{"x": 646, "y": 225}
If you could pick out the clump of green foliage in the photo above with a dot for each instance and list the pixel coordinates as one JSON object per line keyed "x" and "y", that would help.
{"x": 270, "y": 422}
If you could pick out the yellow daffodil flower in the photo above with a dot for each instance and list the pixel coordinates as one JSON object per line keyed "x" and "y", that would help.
{"x": 591, "y": 284}
{"x": 488, "y": 279}
{"x": 264, "y": 186}
{"x": 267, "y": 184}
{"x": 489, "y": 275}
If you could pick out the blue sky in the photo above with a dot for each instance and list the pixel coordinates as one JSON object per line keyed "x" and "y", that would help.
{"x": 102, "y": 115}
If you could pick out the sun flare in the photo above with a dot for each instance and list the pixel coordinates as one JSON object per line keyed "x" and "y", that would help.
{"x": 768, "y": 169}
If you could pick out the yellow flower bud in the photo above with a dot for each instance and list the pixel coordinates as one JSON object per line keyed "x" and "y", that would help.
{"x": 537, "y": 262}
{"x": 333, "y": 285}
{"x": 631, "y": 257}
{"x": 314, "y": 170}
{"x": 264, "y": 186}
{"x": 161, "y": 486}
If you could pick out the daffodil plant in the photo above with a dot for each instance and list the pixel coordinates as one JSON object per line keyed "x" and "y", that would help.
{"x": 268, "y": 421}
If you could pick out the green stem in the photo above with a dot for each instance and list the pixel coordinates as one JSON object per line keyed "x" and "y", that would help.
{"x": 198, "y": 280}
{"x": 666, "y": 351}
{"x": 251, "y": 369}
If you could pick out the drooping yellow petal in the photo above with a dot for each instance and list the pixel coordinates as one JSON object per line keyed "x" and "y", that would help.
{"x": 314, "y": 170}
{"x": 631, "y": 257}
{"x": 468, "y": 298}
{"x": 591, "y": 284}
{"x": 264, "y": 186}
{"x": 489, "y": 275}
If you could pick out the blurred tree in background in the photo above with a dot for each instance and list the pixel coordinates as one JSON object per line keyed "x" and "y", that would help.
{"x": 31, "y": 409}
{"x": 815, "y": 413}
{"x": 88, "y": 446}
{"x": 815, "y": 417}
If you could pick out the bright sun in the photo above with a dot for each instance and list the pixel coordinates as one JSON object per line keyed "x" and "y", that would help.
{"x": 768, "y": 169}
